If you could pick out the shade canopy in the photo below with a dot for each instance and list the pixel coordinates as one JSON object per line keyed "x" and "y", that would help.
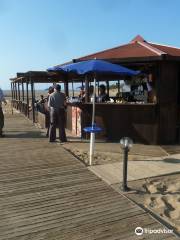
{"x": 94, "y": 67}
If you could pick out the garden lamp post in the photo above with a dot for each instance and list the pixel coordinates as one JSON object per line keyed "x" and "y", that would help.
{"x": 126, "y": 144}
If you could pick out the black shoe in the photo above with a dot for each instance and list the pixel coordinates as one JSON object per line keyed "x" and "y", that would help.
{"x": 2, "y": 135}
{"x": 52, "y": 141}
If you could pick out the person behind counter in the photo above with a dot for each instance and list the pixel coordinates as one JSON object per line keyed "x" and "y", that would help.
{"x": 103, "y": 96}
{"x": 82, "y": 95}
{"x": 151, "y": 92}
{"x": 91, "y": 92}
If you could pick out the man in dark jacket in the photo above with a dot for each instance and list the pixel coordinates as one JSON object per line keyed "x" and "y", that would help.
{"x": 57, "y": 104}
{"x": 2, "y": 99}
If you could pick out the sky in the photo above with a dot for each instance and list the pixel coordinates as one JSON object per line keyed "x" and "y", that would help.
{"x": 37, "y": 34}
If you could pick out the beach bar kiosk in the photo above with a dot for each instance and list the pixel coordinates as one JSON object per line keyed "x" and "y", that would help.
{"x": 154, "y": 120}
{"x": 149, "y": 112}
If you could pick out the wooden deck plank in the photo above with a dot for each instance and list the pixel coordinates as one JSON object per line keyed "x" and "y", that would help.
{"x": 47, "y": 194}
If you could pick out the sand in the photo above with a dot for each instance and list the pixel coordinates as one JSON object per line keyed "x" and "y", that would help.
{"x": 106, "y": 152}
{"x": 160, "y": 195}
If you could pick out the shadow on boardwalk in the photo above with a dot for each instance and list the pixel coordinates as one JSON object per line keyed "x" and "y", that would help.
{"x": 46, "y": 193}
{"x": 32, "y": 134}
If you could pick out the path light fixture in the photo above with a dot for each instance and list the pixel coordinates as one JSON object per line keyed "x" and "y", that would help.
{"x": 126, "y": 143}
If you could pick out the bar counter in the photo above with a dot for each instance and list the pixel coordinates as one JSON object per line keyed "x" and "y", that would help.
{"x": 138, "y": 121}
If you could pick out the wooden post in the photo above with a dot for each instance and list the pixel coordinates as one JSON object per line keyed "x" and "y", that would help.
{"x": 73, "y": 88}
{"x": 16, "y": 95}
{"x": 19, "y": 95}
{"x": 23, "y": 107}
{"x": 32, "y": 95}
{"x": 107, "y": 86}
{"x": 98, "y": 88}
{"x": 22, "y": 91}
{"x": 13, "y": 91}
{"x": 86, "y": 89}
{"x": 118, "y": 88}
{"x": 165, "y": 89}
{"x": 27, "y": 99}
{"x": 19, "y": 98}
{"x": 66, "y": 88}
{"x": 12, "y": 97}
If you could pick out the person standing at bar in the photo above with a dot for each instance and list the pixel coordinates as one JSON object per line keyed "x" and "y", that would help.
{"x": 57, "y": 104}
{"x": 2, "y": 99}
{"x": 50, "y": 91}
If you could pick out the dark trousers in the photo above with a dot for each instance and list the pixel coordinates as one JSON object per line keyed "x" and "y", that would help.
{"x": 1, "y": 120}
{"x": 57, "y": 119}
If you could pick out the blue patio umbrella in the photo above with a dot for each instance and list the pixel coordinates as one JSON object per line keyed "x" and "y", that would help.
{"x": 94, "y": 67}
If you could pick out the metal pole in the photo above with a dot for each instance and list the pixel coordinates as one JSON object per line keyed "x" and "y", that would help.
{"x": 125, "y": 161}
{"x": 94, "y": 96}
{"x": 91, "y": 152}
{"x": 92, "y": 136}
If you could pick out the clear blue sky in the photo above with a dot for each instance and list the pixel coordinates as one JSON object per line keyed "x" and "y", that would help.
{"x": 37, "y": 34}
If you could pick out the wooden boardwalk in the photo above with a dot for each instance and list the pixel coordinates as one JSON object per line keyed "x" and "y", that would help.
{"x": 47, "y": 194}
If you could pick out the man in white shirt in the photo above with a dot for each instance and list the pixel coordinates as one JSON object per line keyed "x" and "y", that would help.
{"x": 2, "y": 99}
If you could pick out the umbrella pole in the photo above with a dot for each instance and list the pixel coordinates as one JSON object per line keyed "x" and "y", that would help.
{"x": 91, "y": 154}
{"x": 92, "y": 136}
{"x": 94, "y": 96}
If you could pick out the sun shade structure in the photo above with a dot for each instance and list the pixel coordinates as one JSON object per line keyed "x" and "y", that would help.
{"x": 94, "y": 67}
{"x": 156, "y": 121}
